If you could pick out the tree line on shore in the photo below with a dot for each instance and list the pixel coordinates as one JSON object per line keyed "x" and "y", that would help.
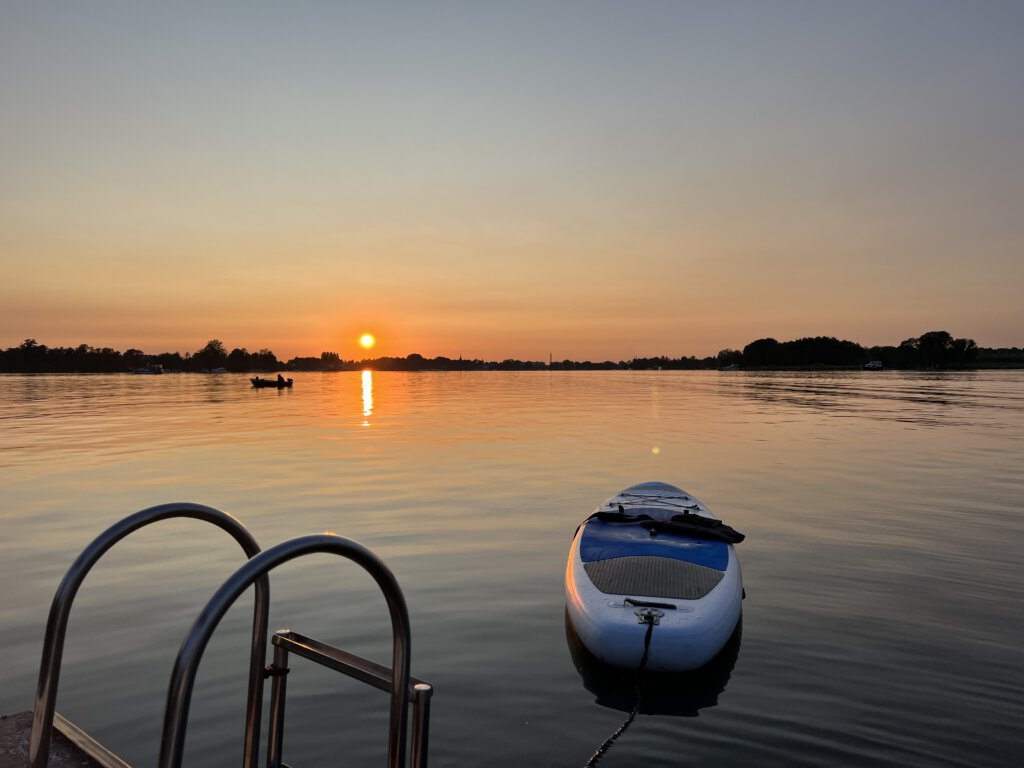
{"x": 932, "y": 350}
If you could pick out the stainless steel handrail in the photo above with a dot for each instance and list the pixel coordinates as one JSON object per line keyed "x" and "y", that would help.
{"x": 60, "y": 609}
{"x": 286, "y": 641}
{"x": 179, "y": 694}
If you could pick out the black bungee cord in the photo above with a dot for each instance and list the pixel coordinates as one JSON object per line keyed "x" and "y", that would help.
{"x": 644, "y": 499}
{"x": 649, "y": 619}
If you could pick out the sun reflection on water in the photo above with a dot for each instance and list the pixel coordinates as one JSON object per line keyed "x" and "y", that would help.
{"x": 367, "y": 396}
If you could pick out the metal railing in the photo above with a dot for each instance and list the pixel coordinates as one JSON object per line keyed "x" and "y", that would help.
{"x": 397, "y": 679}
{"x": 60, "y": 609}
{"x": 404, "y": 689}
{"x": 286, "y": 641}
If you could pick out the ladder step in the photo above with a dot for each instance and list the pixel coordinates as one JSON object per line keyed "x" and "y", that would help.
{"x": 357, "y": 667}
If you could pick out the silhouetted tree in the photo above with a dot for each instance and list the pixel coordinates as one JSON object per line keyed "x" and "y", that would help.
{"x": 729, "y": 357}
{"x": 938, "y": 349}
{"x": 933, "y": 348}
{"x": 134, "y": 358}
{"x": 304, "y": 364}
{"x": 1001, "y": 356}
{"x": 760, "y": 353}
{"x": 238, "y": 361}
{"x": 211, "y": 356}
{"x": 33, "y": 356}
{"x": 908, "y": 355}
{"x": 962, "y": 352}
{"x": 330, "y": 361}
{"x": 821, "y": 351}
{"x": 265, "y": 360}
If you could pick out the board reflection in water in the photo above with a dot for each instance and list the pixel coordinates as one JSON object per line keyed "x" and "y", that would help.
{"x": 676, "y": 694}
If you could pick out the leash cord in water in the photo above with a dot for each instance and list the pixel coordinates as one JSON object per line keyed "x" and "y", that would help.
{"x": 599, "y": 753}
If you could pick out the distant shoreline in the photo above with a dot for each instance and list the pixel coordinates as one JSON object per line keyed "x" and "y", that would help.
{"x": 935, "y": 350}
{"x": 555, "y": 368}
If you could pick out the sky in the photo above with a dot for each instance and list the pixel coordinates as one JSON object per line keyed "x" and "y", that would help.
{"x": 586, "y": 180}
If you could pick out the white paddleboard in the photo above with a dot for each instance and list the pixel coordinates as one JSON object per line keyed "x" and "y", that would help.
{"x": 645, "y": 586}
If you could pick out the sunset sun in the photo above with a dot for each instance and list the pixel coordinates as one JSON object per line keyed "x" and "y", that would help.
{"x": 366, "y": 340}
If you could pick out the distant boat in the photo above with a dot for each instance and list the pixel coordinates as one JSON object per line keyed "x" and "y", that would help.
{"x": 732, "y": 367}
{"x": 874, "y": 365}
{"x": 151, "y": 370}
{"x": 279, "y": 384}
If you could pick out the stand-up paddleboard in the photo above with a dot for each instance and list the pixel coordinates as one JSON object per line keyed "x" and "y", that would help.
{"x": 653, "y": 581}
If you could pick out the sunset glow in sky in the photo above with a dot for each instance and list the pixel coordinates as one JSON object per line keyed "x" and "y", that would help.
{"x": 593, "y": 180}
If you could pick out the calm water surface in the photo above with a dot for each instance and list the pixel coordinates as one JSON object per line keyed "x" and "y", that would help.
{"x": 883, "y": 515}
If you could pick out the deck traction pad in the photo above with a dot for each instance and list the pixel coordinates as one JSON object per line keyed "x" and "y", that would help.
{"x": 653, "y": 577}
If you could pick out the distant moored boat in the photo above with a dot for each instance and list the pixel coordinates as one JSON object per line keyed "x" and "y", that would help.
{"x": 278, "y": 383}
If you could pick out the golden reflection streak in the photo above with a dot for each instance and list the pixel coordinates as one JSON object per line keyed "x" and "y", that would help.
{"x": 367, "y": 396}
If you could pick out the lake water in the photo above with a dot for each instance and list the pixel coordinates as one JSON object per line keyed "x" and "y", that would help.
{"x": 883, "y": 513}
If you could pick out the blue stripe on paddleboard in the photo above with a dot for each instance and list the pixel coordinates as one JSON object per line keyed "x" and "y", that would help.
{"x": 603, "y": 541}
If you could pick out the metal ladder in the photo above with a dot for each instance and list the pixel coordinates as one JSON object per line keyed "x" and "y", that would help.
{"x": 404, "y": 689}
